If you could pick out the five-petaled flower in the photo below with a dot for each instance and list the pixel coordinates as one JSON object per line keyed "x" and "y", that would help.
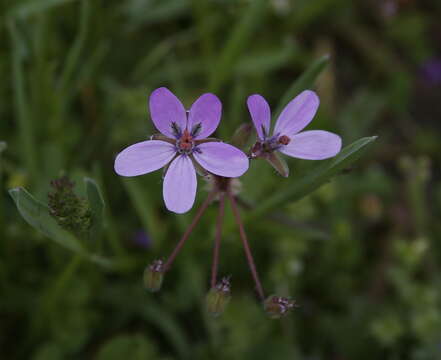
{"x": 182, "y": 145}
{"x": 287, "y": 138}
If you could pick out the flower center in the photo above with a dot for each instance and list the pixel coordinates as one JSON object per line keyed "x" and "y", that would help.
{"x": 185, "y": 143}
{"x": 262, "y": 148}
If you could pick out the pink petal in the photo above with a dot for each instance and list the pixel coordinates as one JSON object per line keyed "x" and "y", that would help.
{"x": 206, "y": 113}
{"x": 221, "y": 159}
{"x": 313, "y": 145}
{"x": 166, "y": 109}
{"x": 179, "y": 189}
{"x": 260, "y": 113}
{"x": 297, "y": 114}
{"x": 143, "y": 157}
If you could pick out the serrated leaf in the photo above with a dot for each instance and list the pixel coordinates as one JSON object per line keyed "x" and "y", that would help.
{"x": 37, "y": 215}
{"x": 312, "y": 181}
{"x": 96, "y": 204}
{"x": 305, "y": 81}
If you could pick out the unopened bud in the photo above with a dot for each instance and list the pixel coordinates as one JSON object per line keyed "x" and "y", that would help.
{"x": 277, "y": 306}
{"x": 153, "y": 276}
{"x": 69, "y": 210}
{"x": 218, "y": 297}
{"x": 277, "y": 163}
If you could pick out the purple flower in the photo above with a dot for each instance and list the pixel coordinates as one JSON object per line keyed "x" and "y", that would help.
{"x": 431, "y": 71}
{"x": 287, "y": 138}
{"x": 142, "y": 239}
{"x": 183, "y": 144}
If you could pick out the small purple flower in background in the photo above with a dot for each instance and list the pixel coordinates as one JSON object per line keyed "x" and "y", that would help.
{"x": 431, "y": 71}
{"x": 388, "y": 8}
{"x": 142, "y": 239}
{"x": 182, "y": 145}
{"x": 287, "y": 138}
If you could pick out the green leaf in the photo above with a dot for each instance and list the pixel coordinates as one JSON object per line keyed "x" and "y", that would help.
{"x": 37, "y": 215}
{"x": 312, "y": 181}
{"x": 96, "y": 203}
{"x": 305, "y": 81}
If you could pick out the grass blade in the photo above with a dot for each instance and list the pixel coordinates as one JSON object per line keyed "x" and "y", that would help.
{"x": 237, "y": 43}
{"x": 29, "y": 8}
{"x": 26, "y": 131}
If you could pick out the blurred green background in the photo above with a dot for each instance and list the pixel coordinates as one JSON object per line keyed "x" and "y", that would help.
{"x": 360, "y": 255}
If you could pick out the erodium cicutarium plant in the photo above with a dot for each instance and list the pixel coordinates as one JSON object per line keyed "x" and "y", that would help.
{"x": 184, "y": 147}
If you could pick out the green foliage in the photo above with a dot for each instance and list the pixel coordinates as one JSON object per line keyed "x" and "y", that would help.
{"x": 38, "y": 215}
{"x": 56, "y": 226}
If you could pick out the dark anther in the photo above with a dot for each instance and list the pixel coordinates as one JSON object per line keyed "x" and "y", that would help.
{"x": 284, "y": 140}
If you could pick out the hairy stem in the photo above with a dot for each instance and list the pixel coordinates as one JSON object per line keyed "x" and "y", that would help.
{"x": 217, "y": 239}
{"x": 246, "y": 246}
{"x": 189, "y": 230}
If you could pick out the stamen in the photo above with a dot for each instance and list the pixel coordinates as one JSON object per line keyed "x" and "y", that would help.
{"x": 217, "y": 239}
{"x": 265, "y": 135}
{"x": 176, "y": 130}
{"x": 284, "y": 140}
{"x": 246, "y": 246}
{"x": 196, "y": 129}
{"x": 189, "y": 230}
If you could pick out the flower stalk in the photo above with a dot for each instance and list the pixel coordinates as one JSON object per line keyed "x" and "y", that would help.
{"x": 189, "y": 230}
{"x": 217, "y": 239}
{"x": 246, "y": 246}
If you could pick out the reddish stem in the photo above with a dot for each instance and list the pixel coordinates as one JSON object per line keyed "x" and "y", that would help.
{"x": 217, "y": 239}
{"x": 187, "y": 233}
{"x": 246, "y": 246}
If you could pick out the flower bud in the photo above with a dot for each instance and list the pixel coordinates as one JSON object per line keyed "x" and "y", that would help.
{"x": 71, "y": 212}
{"x": 278, "y": 163}
{"x": 153, "y": 276}
{"x": 277, "y": 306}
{"x": 218, "y": 297}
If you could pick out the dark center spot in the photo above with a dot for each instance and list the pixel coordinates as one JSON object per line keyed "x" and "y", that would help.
{"x": 284, "y": 140}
